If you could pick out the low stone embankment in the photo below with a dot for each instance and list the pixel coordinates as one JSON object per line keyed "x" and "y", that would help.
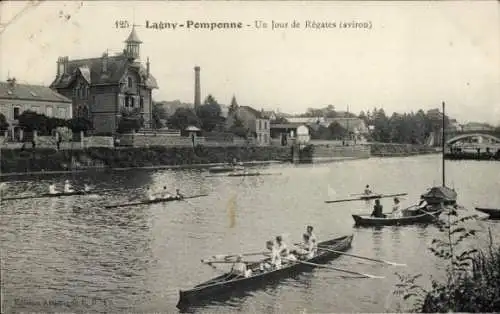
{"x": 41, "y": 159}
{"x": 400, "y": 150}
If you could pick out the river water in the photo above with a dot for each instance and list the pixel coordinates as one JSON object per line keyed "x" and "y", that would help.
{"x": 71, "y": 254}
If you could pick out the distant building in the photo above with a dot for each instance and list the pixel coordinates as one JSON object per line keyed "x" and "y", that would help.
{"x": 476, "y": 126}
{"x": 16, "y": 98}
{"x": 102, "y": 88}
{"x": 255, "y": 121}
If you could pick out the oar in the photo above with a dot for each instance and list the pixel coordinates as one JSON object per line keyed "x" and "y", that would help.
{"x": 364, "y": 198}
{"x": 228, "y": 256}
{"x": 362, "y": 257}
{"x": 337, "y": 269}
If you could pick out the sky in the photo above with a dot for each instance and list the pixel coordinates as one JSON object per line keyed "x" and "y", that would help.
{"x": 414, "y": 55}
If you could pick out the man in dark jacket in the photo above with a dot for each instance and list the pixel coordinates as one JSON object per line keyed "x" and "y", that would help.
{"x": 377, "y": 210}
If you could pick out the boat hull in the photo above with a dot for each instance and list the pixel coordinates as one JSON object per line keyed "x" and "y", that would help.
{"x": 493, "y": 212}
{"x": 367, "y": 221}
{"x": 158, "y": 200}
{"x": 209, "y": 290}
{"x": 222, "y": 169}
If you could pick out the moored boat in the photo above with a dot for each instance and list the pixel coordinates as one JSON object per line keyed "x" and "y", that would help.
{"x": 493, "y": 212}
{"x": 229, "y": 283}
{"x": 45, "y": 195}
{"x": 409, "y": 217}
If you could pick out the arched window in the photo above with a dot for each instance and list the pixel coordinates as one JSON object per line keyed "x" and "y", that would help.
{"x": 129, "y": 80}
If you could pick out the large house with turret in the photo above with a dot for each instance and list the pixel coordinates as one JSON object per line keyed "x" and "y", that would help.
{"x": 103, "y": 89}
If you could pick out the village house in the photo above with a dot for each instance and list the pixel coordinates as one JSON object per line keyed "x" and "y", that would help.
{"x": 255, "y": 121}
{"x": 15, "y": 98}
{"x": 103, "y": 88}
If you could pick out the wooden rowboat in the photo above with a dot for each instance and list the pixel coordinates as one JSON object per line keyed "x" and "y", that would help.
{"x": 157, "y": 200}
{"x": 493, "y": 212}
{"x": 243, "y": 174}
{"x": 409, "y": 218}
{"x": 227, "y": 284}
{"x": 221, "y": 169}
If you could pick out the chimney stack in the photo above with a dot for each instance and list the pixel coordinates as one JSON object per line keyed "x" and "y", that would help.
{"x": 197, "y": 93}
{"x": 147, "y": 68}
{"x": 12, "y": 82}
{"x": 105, "y": 62}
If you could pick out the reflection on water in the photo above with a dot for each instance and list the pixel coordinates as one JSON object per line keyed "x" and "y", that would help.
{"x": 72, "y": 254}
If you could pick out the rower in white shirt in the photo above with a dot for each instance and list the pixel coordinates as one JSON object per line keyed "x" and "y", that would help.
{"x": 149, "y": 194}
{"x": 396, "y": 209}
{"x": 86, "y": 187}
{"x": 67, "y": 187}
{"x": 240, "y": 268}
{"x": 165, "y": 193}
{"x": 52, "y": 189}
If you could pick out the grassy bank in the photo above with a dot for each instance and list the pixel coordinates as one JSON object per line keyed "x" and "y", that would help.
{"x": 38, "y": 160}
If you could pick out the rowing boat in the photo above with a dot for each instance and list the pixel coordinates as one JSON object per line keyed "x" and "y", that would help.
{"x": 409, "y": 218}
{"x": 157, "y": 200}
{"x": 227, "y": 284}
{"x": 60, "y": 194}
{"x": 220, "y": 169}
{"x": 367, "y": 197}
{"x": 243, "y": 174}
{"x": 493, "y": 212}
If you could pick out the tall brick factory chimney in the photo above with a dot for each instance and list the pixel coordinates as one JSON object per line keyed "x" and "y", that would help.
{"x": 197, "y": 93}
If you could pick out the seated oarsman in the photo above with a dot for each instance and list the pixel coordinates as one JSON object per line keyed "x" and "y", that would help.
{"x": 283, "y": 250}
{"x": 240, "y": 268}
{"x": 67, "y": 187}
{"x": 312, "y": 236}
{"x": 149, "y": 194}
{"x": 178, "y": 194}
{"x": 377, "y": 210}
{"x": 367, "y": 190}
{"x": 275, "y": 258}
{"x": 165, "y": 194}
{"x": 307, "y": 249}
{"x": 52, "y": 189}
{"x": 86, "y": 187}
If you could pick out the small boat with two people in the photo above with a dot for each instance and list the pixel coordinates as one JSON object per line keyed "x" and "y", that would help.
{"x": 421, "y": 213}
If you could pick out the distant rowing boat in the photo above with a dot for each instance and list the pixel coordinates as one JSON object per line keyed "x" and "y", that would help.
{"x": 243, "y": 174}
{"x": 45, "y": 195}
{"x": 367, "y": 197}
{"x": 221, "y": 169}
{"x": 157, "y": 200}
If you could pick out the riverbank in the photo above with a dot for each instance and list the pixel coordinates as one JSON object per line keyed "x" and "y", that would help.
{"x": 50, "y": 161}
{"x": 400, "y": 150}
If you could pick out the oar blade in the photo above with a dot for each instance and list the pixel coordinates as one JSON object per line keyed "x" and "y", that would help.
{"x": 373, "y": 276}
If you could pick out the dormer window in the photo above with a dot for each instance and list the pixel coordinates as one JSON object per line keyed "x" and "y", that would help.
{"x": 33, "y": 94}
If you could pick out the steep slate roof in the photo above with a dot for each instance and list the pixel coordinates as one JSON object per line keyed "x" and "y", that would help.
{"x": 133, "y": 38}
{"x": 91, "y": 70}
{"x": 256, "y": 113}
{"x": 30, "y": 92}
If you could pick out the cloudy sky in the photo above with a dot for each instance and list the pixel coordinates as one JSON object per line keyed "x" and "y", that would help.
{"x": 415, "y": 55}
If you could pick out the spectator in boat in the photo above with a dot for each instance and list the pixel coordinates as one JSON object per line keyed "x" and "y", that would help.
{"x": 367, "y": 190}
{"x": 396, "y": 209}
{"x": 178, "y": 194}
{"x": 240, "y": 268}
{"x": 67, "y": 187}
{"x": 423, "y": 203}
{"x": 52, "y": 189}
{"x": 149, "y": 194}
{"x": 377, "y": 210}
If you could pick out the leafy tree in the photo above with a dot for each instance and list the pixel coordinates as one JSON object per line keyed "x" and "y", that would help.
{"x": 238, "y": 128}
{"x": 159, "y": 115}
{"x": 182, "y": 118}
{"x": 31, "y": 121}
{"x": 337, "y": 131}
{"x": 78, "y": 124}
{"x": 131, "y": 120}
{"x": 3, "y": 123}
{"x": 210, "y": 114}
{"x": 280, "y": 120}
